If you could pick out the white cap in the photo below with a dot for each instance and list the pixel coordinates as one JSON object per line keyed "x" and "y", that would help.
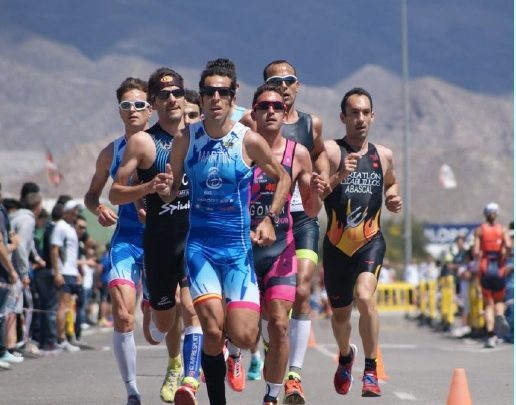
{"x": 491, "y": 208}
{"x": 70, "y": 205}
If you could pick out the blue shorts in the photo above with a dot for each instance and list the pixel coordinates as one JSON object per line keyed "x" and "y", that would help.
{"x": 70, "y": 285}
{"x": 126, "y": 264}
{"x": 222, "y": 272}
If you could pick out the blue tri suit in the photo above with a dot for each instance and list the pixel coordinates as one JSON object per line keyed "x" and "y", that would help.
{"x": 126, "y": 243}
{"x": 219, "y": 261}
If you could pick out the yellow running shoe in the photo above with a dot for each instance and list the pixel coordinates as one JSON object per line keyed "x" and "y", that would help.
{"x": 170, "y": 384}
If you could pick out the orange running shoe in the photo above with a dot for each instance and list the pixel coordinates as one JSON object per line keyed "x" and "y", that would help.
{"x": 293, "y": 390}
{"x": 370, "y": 386}
{"x": 236, "y": 373}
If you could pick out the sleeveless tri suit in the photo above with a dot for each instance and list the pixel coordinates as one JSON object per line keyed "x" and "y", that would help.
{"x": 276, "y": 265}
{"x": 219, "y": 260}
{"x": 353, "y": 243}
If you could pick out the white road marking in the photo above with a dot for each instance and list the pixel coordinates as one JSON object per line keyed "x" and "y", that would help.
{"x": 405, "y": 396}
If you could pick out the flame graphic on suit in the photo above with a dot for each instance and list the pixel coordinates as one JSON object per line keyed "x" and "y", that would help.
{"x": 356, "y": 233}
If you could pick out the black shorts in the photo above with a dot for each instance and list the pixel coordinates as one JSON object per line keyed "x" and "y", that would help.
{"x": 341, "y": 271}
{"x": 164, "y": 265}
{"x": 306, "y": 236}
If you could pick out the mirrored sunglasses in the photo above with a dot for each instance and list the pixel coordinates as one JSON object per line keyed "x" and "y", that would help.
{"x": 289, "y": 80}
{"x": 137, "y": 104}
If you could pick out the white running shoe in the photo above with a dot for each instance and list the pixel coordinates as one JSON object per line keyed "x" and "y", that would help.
{"x": 11, "y": 358}
{"x": 68, "y": 347}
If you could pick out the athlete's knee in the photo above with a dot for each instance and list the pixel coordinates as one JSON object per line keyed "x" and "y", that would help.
{"x": 245, "y": 338}
{"x": 303, "y": 291}
{"x": 123, "y": 320}
{"x": 342, "y": 315}
{"x": 366, "y": 304}
{"x": 189, "y": 315}
{"x": 278, "y": 327}
{"x": 164, "y": 320}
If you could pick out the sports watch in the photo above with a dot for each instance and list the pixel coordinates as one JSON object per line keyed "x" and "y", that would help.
{"x": 274, "y": 218}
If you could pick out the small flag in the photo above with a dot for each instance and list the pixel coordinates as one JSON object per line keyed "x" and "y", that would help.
{"x": 54, "y": 175}
{"x": 446, "y": 177}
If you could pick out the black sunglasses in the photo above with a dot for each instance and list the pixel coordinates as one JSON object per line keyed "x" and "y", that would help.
{"x": 223, "y": 91}
{"x": 265, "y": 105}
{"x": 165, "y": 94}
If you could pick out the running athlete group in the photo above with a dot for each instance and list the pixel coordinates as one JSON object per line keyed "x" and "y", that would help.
{"x": 217, "y": 221}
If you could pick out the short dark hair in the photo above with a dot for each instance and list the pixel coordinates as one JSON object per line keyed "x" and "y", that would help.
{"x": 32, "y": 200}
{"x": 358, "y": 91}
{"x": 131, "y": 83}
{"x": 28, "y": 187}
{"x": 217, "y": 70}
{"x": 155, "y": 84}
{"x": 277, "y": 62}
{"x": 11, "y": 204}
{"x": 192, "y": 97}
{"x": 221, "y": 62}
{"x": 266, "y": 87}
{"x": 63, "y": 199}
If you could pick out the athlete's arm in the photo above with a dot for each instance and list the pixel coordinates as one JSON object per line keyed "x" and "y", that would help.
{"x": 337, "y": 174}
{"x": 393, "y": 200}
{"x": 476, "y": 242}
{"x": 105, "y": 215}
{"x": 257, "y": 150}
{"x": 138, "y": 147}
{"x": 311, "y": 185}
{"x": 319, "y": 154}
{"x": 176, "y": 165}
{"x": 6, "y": 263}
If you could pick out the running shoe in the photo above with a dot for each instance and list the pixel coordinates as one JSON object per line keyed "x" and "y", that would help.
{"x": 4, "y": 365}
{"x": 502, "y": 327}
{"x": 255, "y": 370}
{"x": 268, "y": 400}
{"x": 293, "y": 390}
{"x": 133, "y": 400}
{"x": 170, "y": 384}
{"x": 490, "y": 342}
{"x": 66, "y": 346}
{"x": 343, "y": 379}
{"x": 236, "y": 373}
{"x": 185, "y": 394}
{"x": 370, "y": 386}
{"x": 11, "y": 358}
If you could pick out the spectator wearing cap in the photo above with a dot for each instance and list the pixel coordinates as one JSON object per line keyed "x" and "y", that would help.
{"x": 490, "y": 248}
{"x": 64, "y": 254}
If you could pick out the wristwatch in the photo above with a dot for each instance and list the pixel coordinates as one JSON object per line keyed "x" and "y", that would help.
{"x": 274, "y": 218}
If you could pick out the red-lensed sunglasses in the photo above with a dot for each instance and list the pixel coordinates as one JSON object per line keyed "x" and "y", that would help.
{"x": 265, "y": 105}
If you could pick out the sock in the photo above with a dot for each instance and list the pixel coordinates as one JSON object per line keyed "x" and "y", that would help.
{"x": 233, "y": 350}
{"x": 125, "y": 354}
{"x": 272, "y": 390}
{"x": 370, "y": 365}
{"x": 265, "y": 331}
{"x": 343, "y": 360}
{"x": 299, "y": 335}
{"x": 490, "y": 333}
{"x": 256, "y": 355}
{"x": 192, "y": 351}
{"x": 214, "y": 368}
{"x": 155, "y": 333}
{"x": 174, "y": 363}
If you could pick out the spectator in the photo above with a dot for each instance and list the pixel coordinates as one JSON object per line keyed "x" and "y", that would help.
{"x": 387, "y": 273}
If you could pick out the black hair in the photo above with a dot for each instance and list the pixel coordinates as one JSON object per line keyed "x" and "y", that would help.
{"x": 358, "y": 91}
{"x": 266, "y": 87}
{"x": 192, "y": 97}
{"x": 277, "y": 62}
{"x": 217, "y": 70}
{"x": 221, "y": 62}
{"x": 155, "y": 84}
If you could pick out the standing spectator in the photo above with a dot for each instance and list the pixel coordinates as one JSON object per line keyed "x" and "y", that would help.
{"x": 103, "y": 282}
{"x": 8, "y": 277}
{"x": 63, "y": 256}
{"x": 387, "y": 273}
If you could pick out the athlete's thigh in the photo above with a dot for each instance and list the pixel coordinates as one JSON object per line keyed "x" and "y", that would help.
{"x": 127, "y": 264}
{"x": 306, "y": 237}
{"x": 204, "y": 279}
{"x": 340, "y": 275}
{"x": 279, "y": 280}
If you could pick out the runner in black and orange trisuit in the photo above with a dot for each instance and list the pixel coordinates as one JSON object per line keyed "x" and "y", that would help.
{"x": 353, "y": 250}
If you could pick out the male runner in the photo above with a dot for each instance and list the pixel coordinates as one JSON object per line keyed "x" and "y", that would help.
{"x": 165, "y": 229}
{"x": 490, "y": 248}
{"x": 276, "y": 264}
{"x": 192, "y": 110}
{"x": 354, "y": 247}
{"x": 126, "y": 254}
{"x": 305, "y": 129}
{"x": 218, "y": 155}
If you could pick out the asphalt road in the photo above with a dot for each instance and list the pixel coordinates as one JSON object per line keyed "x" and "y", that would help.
{"x": 418, "y": 362}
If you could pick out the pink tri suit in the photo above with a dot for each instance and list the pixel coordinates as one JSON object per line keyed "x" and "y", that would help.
{"x": 275, "y": 265}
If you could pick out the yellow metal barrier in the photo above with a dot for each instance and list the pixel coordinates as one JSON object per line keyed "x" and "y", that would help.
{"x": 448, "y": 306}
{"x": 476, "y": 306}
{"x": 427, "y": 295}
{"x": 397, "y": 296}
